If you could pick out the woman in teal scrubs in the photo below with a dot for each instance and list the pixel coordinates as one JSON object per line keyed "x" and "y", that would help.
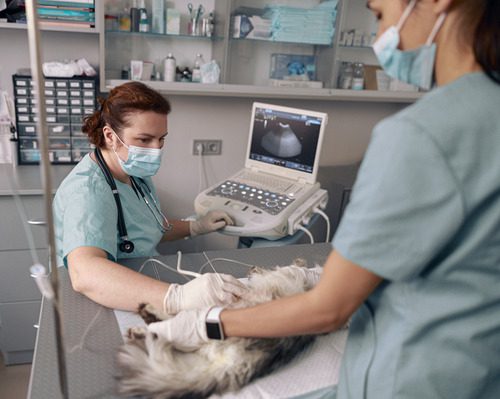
{"x": 128, "y": 131}
{"x": 416, "y": 259}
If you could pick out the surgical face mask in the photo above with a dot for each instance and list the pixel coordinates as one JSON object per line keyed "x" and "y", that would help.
{"x": 141, "y": 161}
{"x": 412, "y": 66}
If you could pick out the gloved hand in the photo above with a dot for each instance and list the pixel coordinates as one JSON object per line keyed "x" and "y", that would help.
{"x": 209, "y": 289}
{"x": 213, "y": 220}
{"x": 186, "y": 331}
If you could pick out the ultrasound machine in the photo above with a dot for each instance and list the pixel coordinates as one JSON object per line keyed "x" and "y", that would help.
{"x": 276, "y": 192}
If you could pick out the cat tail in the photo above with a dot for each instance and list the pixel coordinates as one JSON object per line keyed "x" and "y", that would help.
{"x": 153, "y": 368}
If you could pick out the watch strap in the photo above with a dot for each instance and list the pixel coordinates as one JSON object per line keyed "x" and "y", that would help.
{"x": 213, "y": 323}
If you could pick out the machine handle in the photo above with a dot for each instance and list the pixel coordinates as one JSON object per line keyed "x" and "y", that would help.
{"x": 37, "y": 222}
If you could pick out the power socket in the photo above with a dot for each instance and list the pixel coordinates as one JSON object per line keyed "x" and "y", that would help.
{"x": 208, "y": 147}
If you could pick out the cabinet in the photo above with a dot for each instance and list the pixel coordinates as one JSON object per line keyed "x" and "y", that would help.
{"x": 68, "y": 101}
{"x": 252, "y": 64}
{"x": 19, "y": 296}
{"x": 245, "y": 63}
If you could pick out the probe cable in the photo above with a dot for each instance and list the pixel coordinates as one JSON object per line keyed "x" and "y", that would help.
{"x": 324, "y": 216}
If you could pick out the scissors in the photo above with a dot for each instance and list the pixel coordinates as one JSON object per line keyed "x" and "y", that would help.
{"x": 195, "y": 14}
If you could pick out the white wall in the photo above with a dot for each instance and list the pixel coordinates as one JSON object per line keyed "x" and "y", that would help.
{"x": 346, "y": 138}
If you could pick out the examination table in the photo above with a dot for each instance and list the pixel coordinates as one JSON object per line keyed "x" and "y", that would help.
{"x": 90, "y": 367}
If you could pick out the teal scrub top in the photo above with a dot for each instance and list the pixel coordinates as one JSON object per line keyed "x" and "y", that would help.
{"x": 85, "y": 214}
{"x": 425, "y": 216}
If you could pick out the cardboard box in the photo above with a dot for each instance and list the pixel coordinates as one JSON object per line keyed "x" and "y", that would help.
{"x": 251, "y": 27}
{"x": 371, "y": 77}
{"x": 173, "y": 22}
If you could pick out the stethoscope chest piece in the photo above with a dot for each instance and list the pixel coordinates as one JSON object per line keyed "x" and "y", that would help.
{"x": 126, "y": 246}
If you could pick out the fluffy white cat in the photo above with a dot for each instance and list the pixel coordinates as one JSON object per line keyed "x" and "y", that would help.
{"x": 152, "y": 367}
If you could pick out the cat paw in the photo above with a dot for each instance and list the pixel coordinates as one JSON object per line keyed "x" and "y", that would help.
{"x": 136, "y": 333}
{"x": 149, "y": 314}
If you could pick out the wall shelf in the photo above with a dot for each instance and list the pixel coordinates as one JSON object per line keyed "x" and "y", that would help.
{"x": 45, "y": 27}
{"x": 233, "y": 90}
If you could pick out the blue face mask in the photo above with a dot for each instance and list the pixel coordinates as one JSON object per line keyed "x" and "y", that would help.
{"x": 141, "y": 162}
{"x": 412, "y": 66}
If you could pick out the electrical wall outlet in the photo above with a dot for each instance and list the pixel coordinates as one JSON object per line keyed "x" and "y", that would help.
{"x": 207, "y": 147}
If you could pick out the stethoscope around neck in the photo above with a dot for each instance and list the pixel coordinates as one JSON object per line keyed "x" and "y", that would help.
{"x": 126, "y": 245}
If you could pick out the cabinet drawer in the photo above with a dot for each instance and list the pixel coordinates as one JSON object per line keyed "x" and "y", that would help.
{"x": 17, "y": 331}
{"x": 16, "y": 284}
{"x": 12, "y": 232}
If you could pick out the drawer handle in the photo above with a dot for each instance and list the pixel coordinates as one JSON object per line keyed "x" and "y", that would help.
{"x": 36, "y": 222}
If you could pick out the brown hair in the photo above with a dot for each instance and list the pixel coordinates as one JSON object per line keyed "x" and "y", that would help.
{"x": 122, "y": 101}
{"x": 480, "y": 19}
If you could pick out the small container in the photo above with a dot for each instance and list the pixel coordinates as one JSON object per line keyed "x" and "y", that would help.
{"x": 124, "y": 21}
{"x": 134, "y": 17}
{"x": 193, "y": 27}
{"x": 169, "y": 68}
{"x": 198, "y": 62}
{"x": 358, "y": 76}
{"x": 111, "y": 22}
{"x": 143, "y": 17}
{"x": 345, "y": 76}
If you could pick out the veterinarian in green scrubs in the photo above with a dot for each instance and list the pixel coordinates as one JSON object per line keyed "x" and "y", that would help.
{"x": 416, "y": 259}
{"x": 128, "y": 131}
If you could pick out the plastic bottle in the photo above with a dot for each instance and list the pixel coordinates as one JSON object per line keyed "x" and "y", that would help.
{"x": 358, "y": 76}
{"x": 143, "y": 17}
{"x": 198, "y": 62}
{"x": 169, "y": 68}
{"x": 345, "y": 77}
{"x": 125, "y": 20}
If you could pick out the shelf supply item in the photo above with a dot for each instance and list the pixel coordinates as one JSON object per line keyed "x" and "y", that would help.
{"x": 158, "y": 16}
{"x": 134, "y": 17}
{"x": 143, "y": 17}
{"x": 111, "y": 22}
{"x": 345, "y": 76}
{"x": 208, "y": 25}
{"x": 124, "y": 20}
{"x": 169, "y": 68}
{"x": 173, "y": 22}
{"x": 358, "y": 76}
{"x": 198, "y": 62}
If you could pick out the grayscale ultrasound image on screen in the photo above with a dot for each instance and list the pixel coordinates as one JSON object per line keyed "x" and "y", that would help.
{"x": 285, "y": 139}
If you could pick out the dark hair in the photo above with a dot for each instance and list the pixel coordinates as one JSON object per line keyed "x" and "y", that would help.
{"x": 122, "y": 101}
{"x": 482, "y": 23}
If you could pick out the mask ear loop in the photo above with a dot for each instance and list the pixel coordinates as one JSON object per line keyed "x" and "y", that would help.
{"x": 436, "y": 28}
{"x": 406, "y": 14}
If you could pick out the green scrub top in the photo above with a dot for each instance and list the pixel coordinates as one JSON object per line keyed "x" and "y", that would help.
{"x": 85, "y": 214}
{"x": 425, "y": 216}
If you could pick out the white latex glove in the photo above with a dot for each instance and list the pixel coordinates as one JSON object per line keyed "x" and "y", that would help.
{"x": 186, "y": 331}
{"x": 209, "y": 289}
{"x": 213, "y": 220}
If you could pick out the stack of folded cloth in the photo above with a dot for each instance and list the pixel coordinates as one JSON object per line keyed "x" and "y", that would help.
{"x": 299, "y": 25}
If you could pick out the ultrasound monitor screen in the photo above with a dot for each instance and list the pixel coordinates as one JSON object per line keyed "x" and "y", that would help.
{"x": 285, "y": 139}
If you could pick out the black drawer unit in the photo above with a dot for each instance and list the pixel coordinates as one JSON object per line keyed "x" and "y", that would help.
{"x": 68, "y": 101}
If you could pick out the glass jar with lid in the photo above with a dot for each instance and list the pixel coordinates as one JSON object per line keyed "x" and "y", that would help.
{"x": 358, "y": 76}
{"x": 345, "y": 76}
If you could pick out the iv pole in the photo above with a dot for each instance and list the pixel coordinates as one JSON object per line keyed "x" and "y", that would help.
{"x": 39, "y": 81}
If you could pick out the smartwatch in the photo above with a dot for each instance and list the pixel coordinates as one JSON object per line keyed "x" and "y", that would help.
{"x": 213, "y": 324}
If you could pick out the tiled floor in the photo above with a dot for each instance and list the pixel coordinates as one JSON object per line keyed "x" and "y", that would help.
{"x": 14, "y": 380}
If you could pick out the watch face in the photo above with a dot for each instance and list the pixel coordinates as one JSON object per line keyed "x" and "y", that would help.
{"x": 213, "y": 330}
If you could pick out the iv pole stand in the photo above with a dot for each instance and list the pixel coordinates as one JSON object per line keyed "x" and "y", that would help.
{"x": 43, "y": 141}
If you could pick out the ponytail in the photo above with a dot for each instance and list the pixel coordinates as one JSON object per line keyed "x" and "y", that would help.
{"x": 93, "y": 124}
{"x": 486, "y": 40}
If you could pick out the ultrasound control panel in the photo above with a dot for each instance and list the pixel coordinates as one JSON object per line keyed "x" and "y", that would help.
{"x": 268, "y": 201}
